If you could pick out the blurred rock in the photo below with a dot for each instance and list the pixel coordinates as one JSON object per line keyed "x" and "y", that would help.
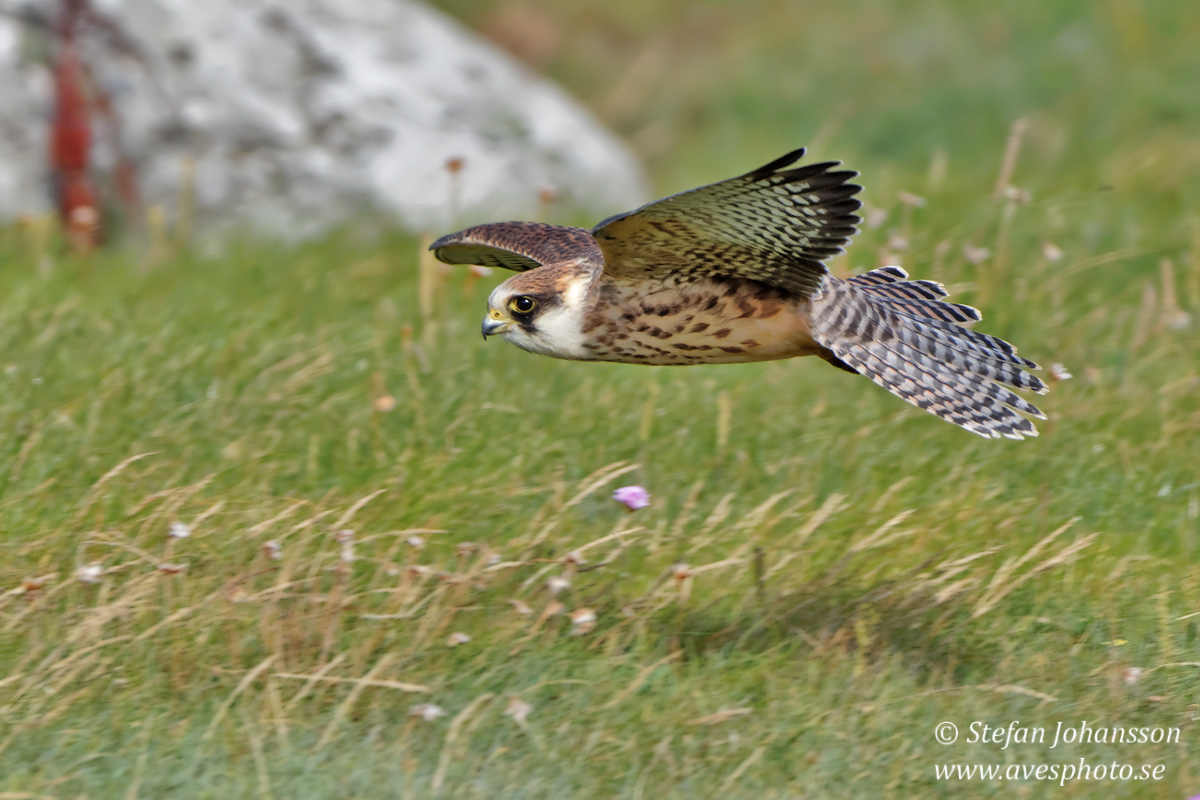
{"x": 293, "y": 116}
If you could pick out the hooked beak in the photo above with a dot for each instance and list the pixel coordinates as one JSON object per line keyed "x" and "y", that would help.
{"x": 493, "y": 324}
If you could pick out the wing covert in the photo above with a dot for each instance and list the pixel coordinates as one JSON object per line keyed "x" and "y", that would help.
{"x": 517, "y": 246}
{"x": 775, "y": 225}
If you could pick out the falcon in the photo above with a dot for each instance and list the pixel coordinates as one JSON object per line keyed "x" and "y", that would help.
{"x": 736, "y": 271}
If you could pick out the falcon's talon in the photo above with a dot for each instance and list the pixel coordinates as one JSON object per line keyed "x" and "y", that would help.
{"x": 735, "y": 272}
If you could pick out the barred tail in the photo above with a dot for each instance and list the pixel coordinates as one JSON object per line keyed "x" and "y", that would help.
{"x": 901, "y": 335}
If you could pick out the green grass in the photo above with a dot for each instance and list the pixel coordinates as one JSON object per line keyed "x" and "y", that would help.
{"x": 911, "y": 573}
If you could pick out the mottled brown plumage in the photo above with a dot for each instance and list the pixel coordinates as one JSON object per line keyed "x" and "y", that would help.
{"x": 734, "y": 272}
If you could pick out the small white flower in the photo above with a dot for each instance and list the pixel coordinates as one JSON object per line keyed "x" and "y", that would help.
{"x": 1132, "y": 675}
{"x": 345, "y": 537}
{"x": 1178, "y": 320}
{"x": 583, "y": 620}
{"x": 89, "y": 573}
{"x": 681, "y": 572}
{"x": 1059, "y": 372}
{"x": 1016, "y": 195}
{"x": 557, "y": 584}
{"x": 415, "y": 542}
{"x": 976, "y": 255}
{"x": 575, "y": 557}
{"x": 272, "y": 549}
{"x": 426, "y": 711}
{"x": 1051, "y": 252}
{"x": 457, "y": 638}
{"x": 179, "y": 530}
{"x": 521, "y": 607}
{"x": 582, "y": 616}
{"x": 518, "y": 709}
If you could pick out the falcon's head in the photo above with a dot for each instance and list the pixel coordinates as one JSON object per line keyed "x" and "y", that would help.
{"x": 542, "y": 311}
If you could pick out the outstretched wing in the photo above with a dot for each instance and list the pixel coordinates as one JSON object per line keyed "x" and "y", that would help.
{"x": 516, "y": 245}
{"x": 774, "y": 225}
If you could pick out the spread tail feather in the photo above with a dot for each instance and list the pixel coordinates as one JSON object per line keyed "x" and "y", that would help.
{"x": 900, "y": 335}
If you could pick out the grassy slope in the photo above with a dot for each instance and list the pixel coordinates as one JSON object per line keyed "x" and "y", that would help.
{"x": 908, "y": 580}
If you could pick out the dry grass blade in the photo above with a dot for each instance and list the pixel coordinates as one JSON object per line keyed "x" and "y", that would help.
{"x": 456, "y": 724}
{"x": 364, "y": 681}
{"x": 92, "y": 493}
{"x": 745, "y": 765}
{"x": 719, "y": 514}
{"x": 882, "y": 501}
{"x": 721, "y": 716}
{"x": 598, "y": 479}
{"x": 725, "y": 562}
{"x": 1003, "y": 583}
{"x": 266, "y": 524}
{"x": 345, "y": 518}
{"x": 879, "y": 537}
{"x": 831, "y": 506}
{"x": 174, "y": 617}
{"x": 313, "y": 679}
{"x": 346, "y": 705}
{"x": 642, "y": 676}
{"x": 1011, "y": 150}
{"x": 724, "y": 415}
{"x": 243, "y": 684}
{"x": 1177, "y": 664}
{"x": 1009, "y": 688}
{"x": 139, "y": 768}
{"x": 535, "y": 577}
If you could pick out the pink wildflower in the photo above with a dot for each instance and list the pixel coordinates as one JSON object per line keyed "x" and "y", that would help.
{"x": 632, "y": 497}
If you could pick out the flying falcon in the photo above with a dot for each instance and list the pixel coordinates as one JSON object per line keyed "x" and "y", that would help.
{"x": 735, "y": 271}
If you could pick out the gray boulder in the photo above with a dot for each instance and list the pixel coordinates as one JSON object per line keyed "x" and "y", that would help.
{"x": 289, "y": 117}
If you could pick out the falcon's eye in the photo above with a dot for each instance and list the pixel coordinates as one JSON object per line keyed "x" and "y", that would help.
{"x": 522, "y": 305}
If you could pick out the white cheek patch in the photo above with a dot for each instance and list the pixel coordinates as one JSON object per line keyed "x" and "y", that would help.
{"x": 575, "y": 293}
{"x": 557, "y": 332}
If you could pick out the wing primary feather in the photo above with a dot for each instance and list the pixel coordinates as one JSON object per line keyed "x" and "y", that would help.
{"x": 780, "y": 163}
{"x": 776, "y": 225}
